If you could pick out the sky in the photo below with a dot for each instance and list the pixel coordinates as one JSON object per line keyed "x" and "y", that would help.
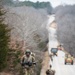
{"x": 55, "y": 2}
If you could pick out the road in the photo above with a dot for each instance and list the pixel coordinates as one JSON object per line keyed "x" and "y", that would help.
{"x": 59, "y": 66}
{"x": 58, "y": 61}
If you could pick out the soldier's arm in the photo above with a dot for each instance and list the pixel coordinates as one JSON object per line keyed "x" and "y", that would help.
{"x": 33, "y": 60}
{"x": 22, "y": 58}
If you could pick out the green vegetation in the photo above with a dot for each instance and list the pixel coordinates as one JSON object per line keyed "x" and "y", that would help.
{"x": 17, "y": 59}
{"x": 14, "y": 62}
{"x": 7, "y": 2}
{"x": 4, "y": 40}
{"x": 36, "y": 5}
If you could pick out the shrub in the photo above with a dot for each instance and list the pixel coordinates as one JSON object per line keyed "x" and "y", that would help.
{"x": 4, "y": 40}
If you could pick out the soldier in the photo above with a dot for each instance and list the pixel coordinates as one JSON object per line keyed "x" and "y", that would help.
{"x": 50, "y": 71}
{"x": 27, "y": 59}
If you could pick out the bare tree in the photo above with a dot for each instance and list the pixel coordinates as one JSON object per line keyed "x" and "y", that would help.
{"x": 29, "y": 24}
{"x": 66, "y": 27}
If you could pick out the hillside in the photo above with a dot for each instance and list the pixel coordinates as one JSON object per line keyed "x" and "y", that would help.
{"x": 28, "y": 31}
{"x": 65, "y": 17}
{"x": 26, "y": 26}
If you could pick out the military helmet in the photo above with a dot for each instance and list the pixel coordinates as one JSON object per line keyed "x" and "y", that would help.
{"x": 27, "y": 51}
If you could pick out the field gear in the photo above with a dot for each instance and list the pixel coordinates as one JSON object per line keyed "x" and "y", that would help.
{"x": 26, "y": 59}
{"x": 33, "y": 54}
{"x": 29, "y": 69}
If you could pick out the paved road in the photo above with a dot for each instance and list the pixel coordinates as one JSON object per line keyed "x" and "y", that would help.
{"x": 58, "y": 62}
{"x": 45, "y": 63}
{"x": 59, "y": 66}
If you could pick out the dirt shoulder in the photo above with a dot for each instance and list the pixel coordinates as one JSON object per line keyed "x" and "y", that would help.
{"x": 45, "y": 63}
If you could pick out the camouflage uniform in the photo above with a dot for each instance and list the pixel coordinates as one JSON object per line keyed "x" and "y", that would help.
{"x": 26, "y": 59}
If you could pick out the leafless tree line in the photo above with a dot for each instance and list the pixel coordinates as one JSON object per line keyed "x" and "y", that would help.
{"x": 65, "y": 17}
{"x": 28, "y": 23}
